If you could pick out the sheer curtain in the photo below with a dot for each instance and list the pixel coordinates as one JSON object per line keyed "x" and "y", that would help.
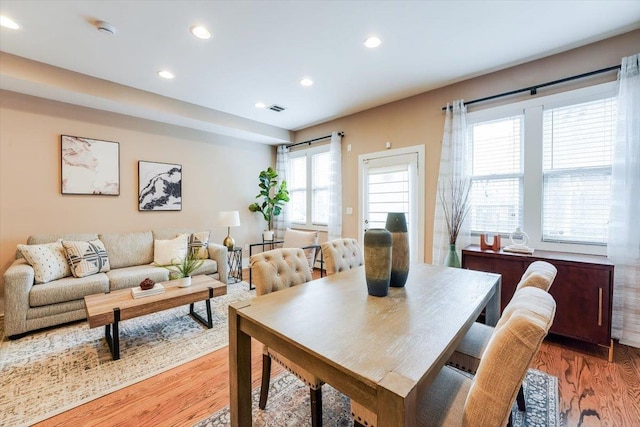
{"x": 335, "y": 187}
{"x": 453, "y": 164}
{"x": 282, "y": 221}
{"x": 624, "y": 227}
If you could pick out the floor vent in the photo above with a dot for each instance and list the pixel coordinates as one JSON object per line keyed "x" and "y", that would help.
{"x": 276, "y": 108}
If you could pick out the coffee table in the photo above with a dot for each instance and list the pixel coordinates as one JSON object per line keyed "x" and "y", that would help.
{"x": 110, "y": 308}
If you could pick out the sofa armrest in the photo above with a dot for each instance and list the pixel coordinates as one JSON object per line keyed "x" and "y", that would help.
{"x": 18, "y": 281}
{"x": 218, "y": 253}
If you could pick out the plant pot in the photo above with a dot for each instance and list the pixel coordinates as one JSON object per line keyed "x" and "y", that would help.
{"x": 267, "y": 235}
{"x": 184, "y": 282}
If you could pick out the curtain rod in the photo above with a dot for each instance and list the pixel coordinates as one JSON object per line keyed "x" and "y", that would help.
{"x": 311, "y": 141}
{"x": 534, "y": 89}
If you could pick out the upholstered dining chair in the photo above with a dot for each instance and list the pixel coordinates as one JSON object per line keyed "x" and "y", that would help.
{"x": 273, "y": 271}
{"x": 341, "y": 255}
{"x": 486, "y": 399}
{"x": 539, "y": 274}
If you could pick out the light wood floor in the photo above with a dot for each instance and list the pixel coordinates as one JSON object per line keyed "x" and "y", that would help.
{"x": 592, "y": 391}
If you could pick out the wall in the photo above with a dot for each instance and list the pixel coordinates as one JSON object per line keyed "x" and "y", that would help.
{"x": 219, "y": 173}
{"x": 420, "y": 120}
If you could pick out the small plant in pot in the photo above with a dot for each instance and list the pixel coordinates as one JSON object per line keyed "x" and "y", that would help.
{"x": 273, "y": 195}
{"x": 182, "y": 269}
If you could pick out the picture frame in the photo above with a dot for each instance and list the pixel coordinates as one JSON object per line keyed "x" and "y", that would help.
{"x": 159, "y": 186}
{"x": 89, "y": 166}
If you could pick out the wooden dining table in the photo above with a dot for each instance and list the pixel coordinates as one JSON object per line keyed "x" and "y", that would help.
{"x": 382, "y": 352}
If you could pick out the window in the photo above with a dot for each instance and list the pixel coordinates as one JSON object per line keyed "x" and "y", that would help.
{"x": 309, "y": 186}
{"x": 545, "y": 165}
{"x": 497, "y": 174}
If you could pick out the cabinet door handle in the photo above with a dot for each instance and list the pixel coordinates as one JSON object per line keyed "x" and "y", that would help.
{"x": 599, "y": 306}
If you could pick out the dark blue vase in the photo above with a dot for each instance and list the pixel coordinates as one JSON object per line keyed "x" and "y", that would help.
{"x": 377, "y": 261}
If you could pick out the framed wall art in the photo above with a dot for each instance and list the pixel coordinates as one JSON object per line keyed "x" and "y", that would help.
{"x": 90, "y": 166}
{"x": 159, "y": 186}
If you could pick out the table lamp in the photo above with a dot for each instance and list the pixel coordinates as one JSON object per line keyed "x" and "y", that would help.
{"x": 229, "y": 219}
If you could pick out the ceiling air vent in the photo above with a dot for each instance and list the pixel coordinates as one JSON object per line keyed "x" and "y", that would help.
{"x": 276, "y": 108}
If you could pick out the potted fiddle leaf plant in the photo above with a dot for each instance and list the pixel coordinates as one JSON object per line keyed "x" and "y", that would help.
{"x": 273, "y": 196}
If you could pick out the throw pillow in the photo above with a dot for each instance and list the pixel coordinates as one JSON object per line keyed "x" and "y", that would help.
{"x": 198, "y": 244}
{"x": 48, "y": 261}
{"x": 166, "y": 252}
{"x": 86, "y": 258}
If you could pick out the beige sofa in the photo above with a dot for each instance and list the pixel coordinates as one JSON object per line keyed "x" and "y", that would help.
{"x": 30, "y": 306}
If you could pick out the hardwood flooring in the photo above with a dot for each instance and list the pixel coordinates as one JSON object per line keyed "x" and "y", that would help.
{"x": 592, "y": 391}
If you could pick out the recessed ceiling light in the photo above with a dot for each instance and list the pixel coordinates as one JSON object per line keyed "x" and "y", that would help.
{"x": 105, "y": 28}
{"x": 306, "y": 82}
{"x": 200, "y": 32}
{"x": 372, "y": 42}
{"x": 260, "y": 105}
{"x": 7, "y": 22}
{"x": 166, "y": 74}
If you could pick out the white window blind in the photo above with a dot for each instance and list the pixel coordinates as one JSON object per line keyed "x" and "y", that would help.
{"x": 320, "y": 188}
{"x": 577, "y": 146}
{"x": 297, "y": 187}
{"x": 497, "y": 174}
{"x": 309, "y": 187}
{"x": 388, "y": 191}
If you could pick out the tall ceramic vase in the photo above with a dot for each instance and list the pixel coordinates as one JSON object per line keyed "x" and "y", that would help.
{"x": 452, "y": 259}
{"x": 377, "y": 261}
{"x": 397, "y": 225}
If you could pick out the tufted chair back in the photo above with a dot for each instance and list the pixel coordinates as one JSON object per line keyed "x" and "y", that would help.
{"x": 341, "y": 255}
{"x": 539, "y": 274}
{"x": 279, "y": 269}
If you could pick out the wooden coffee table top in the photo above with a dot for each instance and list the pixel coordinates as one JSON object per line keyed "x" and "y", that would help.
{"x": 99, "y": 307}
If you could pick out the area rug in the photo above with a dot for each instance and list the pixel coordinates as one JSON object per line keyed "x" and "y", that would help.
{"x": 288, "y": 405}
{"x": 48, "y": 372}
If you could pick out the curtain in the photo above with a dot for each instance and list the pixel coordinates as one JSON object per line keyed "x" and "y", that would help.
{"x": 453, "y": 165}
{"x": 282, "y": 221}
{"x": 624, "y": 227}
{"x": 335, "y": 187}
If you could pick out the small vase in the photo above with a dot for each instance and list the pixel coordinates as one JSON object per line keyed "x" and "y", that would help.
{"x": 184, "y": 282}
{"x": 377, "y": 261}
{"x": 452, "y": 259}
{"x": 397, "y": 225}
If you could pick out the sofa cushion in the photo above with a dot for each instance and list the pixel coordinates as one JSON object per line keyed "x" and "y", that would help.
{"x": 208, "y": 266}
{"x": 130, "y": 277}
{"x": 169, "y": 233}
{"x": 86, "y": 258}
{"x": 301, "y": 239}
{"x": 167, "y": 252}
{"x": 198, "y": 244}
{"x": 68, "y": 289}
{"x": 127, "y": 249}
{"x": 48, "y": 261}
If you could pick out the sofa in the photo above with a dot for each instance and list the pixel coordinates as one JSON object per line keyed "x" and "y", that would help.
{"x": 32, "y": 302}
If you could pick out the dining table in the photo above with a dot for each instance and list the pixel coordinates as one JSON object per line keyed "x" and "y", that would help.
{"x": 382, "y": 352}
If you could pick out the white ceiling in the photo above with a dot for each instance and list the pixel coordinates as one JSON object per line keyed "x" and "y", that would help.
{"x": 259, "y": 50}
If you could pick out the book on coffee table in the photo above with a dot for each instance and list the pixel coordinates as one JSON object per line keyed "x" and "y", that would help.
{"x": 139, "y": 293}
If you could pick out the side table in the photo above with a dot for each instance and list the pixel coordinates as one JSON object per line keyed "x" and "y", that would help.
{"x": 234, "y": 257}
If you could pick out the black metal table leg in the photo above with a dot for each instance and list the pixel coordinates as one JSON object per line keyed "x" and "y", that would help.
{"x": 209, "y": 322}
{"x": 113, "y": 341}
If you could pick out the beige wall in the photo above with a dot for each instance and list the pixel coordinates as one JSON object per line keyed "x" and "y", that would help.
{"x": 420, "y": 120}
{"x": 219, "y": 173}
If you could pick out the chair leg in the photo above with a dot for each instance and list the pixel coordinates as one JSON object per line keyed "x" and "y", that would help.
{"x": 522, "y": 407}
{"x": 316, "y": 407}
{"x": 266, "y": 376}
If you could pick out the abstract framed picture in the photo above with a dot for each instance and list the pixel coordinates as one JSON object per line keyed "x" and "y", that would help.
{"x": 159, "y": 186}
{"x": 90, "y": 166}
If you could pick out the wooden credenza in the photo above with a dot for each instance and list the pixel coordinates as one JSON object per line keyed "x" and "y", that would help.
{"x": 583, "y": 288}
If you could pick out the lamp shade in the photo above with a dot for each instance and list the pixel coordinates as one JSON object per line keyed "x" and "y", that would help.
{"x": 229, "y": 218}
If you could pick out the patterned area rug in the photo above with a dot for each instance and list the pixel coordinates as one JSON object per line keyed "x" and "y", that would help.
{"x": 48, "y": 372}
{"x": 288, "y": 405}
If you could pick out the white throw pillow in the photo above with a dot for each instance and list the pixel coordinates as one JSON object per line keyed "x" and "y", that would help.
{"x": 172, "y": 251}
{"x": 198, "y": 244}
{"x": 48, "y": 261}
{"x": 86, "y": 258}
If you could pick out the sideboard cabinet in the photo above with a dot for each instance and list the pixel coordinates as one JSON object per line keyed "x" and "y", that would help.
{"x": 583, "y": 288}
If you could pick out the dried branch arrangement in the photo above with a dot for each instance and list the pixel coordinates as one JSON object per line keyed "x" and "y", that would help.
{"x": 454, "y": 196}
